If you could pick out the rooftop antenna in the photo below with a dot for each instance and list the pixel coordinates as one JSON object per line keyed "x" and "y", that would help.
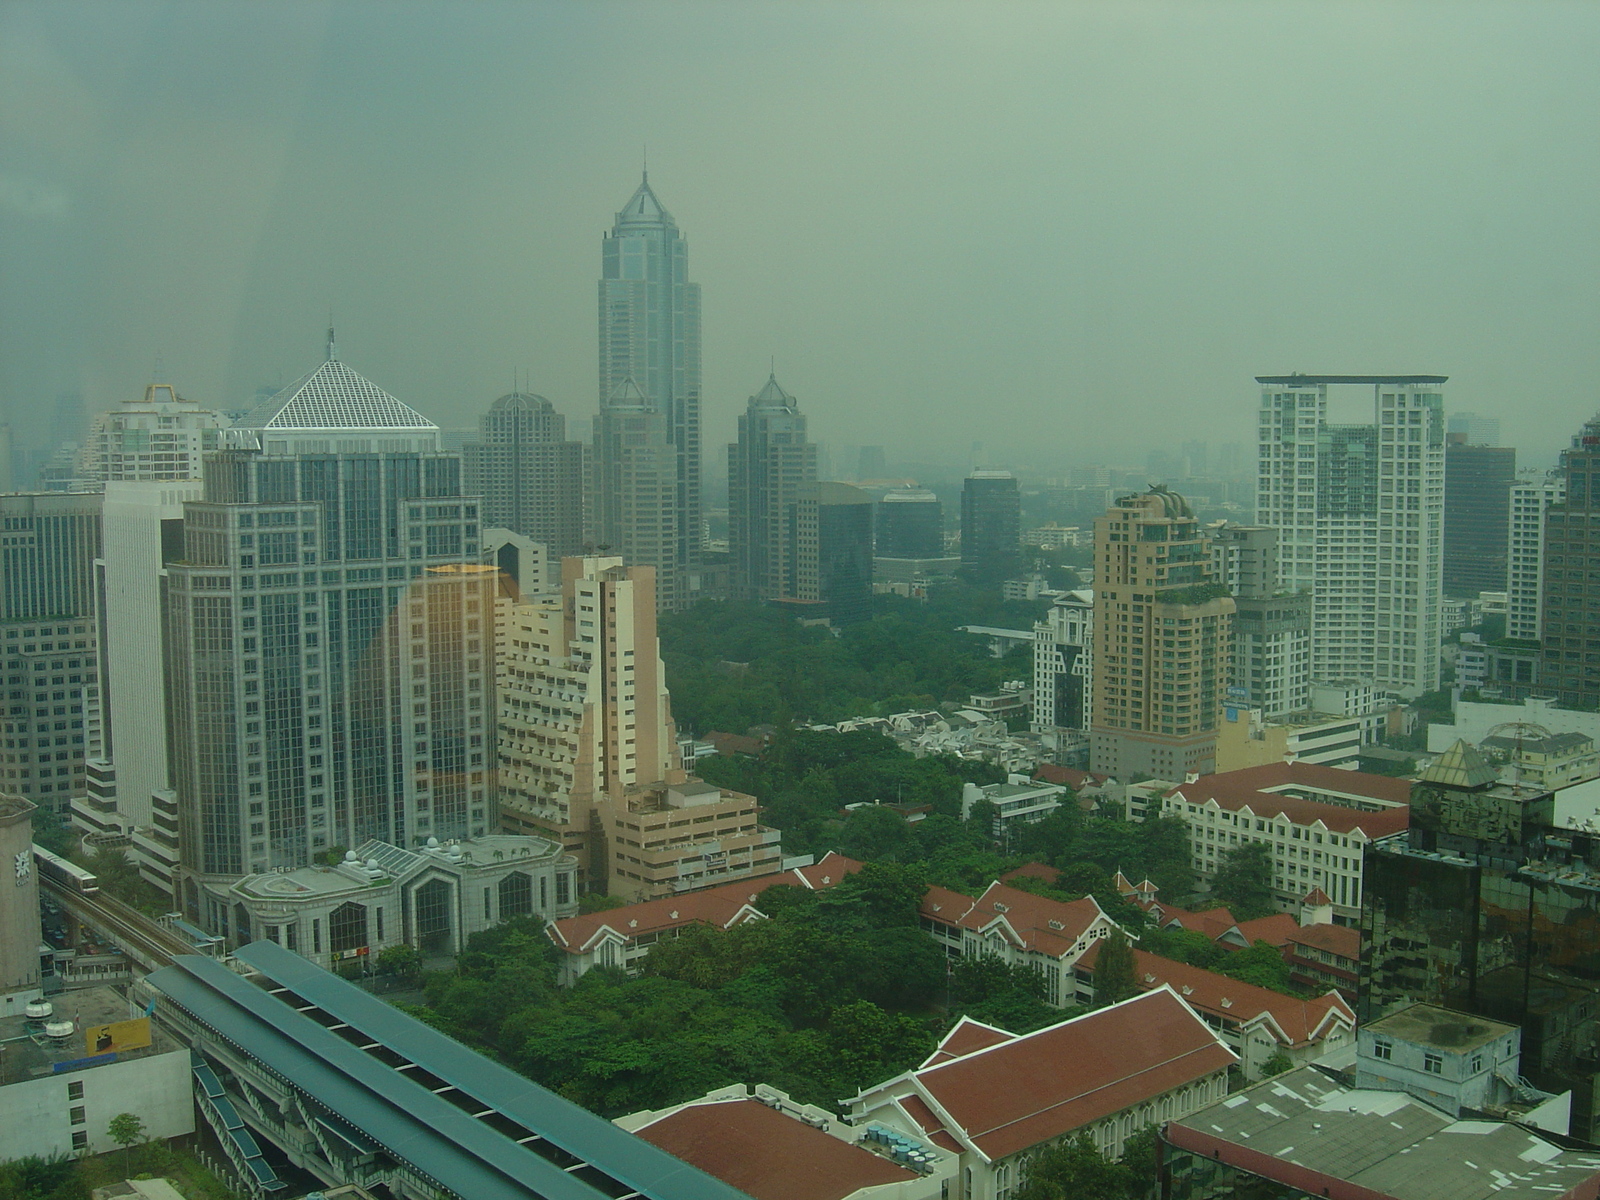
{"x": 647, "y": 162}
{"x": 332, "y": 354}
{"x": 156, "y": 377}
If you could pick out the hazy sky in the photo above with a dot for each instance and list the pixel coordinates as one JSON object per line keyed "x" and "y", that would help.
{"x": 1071, "y": 231}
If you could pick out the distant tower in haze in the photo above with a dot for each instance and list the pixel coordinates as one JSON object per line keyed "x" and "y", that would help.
{"x": 871, "y": 464}
{"x": 650, "y": 364}
{"x": 529, "y": 475}
{"x": 991, "y": 526}
{"x": 910, "y": 524}
{"x": 159, "y": 438}
{"x": 1477, "y": 515}
{"x": 832, "y": 536}
{"x": 767, "y": 467}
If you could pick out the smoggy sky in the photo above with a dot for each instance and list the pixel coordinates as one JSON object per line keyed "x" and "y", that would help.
{"x": 1070, "y": 231}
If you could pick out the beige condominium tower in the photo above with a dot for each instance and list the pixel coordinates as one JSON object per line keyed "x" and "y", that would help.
{"x": 1163, "y": 635}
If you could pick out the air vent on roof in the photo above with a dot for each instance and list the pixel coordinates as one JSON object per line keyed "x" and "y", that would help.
{"x": 1149, "y": 978}
{"x": 1054, "y": 924}
{"x": 1187, "y": 990}
{"x": 998, "y": 907}
{"x": 1226, "y": 1003}
{"x": 673, "y": 914}
{"x": 633, "y": 923}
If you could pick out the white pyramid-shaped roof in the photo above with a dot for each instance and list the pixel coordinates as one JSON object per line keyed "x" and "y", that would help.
{"x": 643, "y": 208}
{"x": 334, "y": 397}
{"x": 772, "y": 396}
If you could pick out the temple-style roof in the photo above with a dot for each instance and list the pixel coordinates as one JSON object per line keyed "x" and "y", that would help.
{"x": 772, "y": 396}
{"x": 1461, "y": 766}
{"x": 643, "y": 209}
{"x": 334, "y": 397}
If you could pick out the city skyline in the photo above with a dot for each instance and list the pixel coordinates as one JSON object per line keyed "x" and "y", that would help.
{"x": 1087, "y": 220}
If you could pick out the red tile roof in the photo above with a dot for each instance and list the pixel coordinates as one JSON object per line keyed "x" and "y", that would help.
{"x": 965, "y": 1036}
{"x": 736, "y": 743}
{"x": 1236, "y": 790}
{"x": 1276, "y": 930}
{"x": 1316, "y": 897}
{"x": 724, "y": 906}
{"x": 1046, "y": 926}
{"x": 831, "y": 870}
{"x": 1335, "y": 939}
{"x": 1299, "y": 1021}
{"x": 770, "y": 1156}
{"x": 929, "y": 1122}
{"x": 1069, "y": 776}
{"x": 1035, "y": 1088}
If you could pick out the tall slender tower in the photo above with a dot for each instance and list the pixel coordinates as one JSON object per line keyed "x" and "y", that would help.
{"x": 650, "y": 337}
{"x": 1163, "y": 636}
{"x": 767, "y": 467}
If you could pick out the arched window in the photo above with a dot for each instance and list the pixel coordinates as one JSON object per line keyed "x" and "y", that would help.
{"x": 433, "y": 916}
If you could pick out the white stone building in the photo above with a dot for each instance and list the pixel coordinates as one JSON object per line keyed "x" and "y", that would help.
{"x": 1063, "y": 663}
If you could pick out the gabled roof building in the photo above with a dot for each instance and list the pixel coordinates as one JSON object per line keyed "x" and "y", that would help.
{"x": 988, "y": 1097}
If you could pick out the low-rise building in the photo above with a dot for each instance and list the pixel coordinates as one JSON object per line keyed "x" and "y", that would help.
{"x": 1316, "y": 821}
{"x": 990, "y": 1097}
{"x": 1244, "y": 739}
{"x": 771, "y": 1148}
{"x": 1020, "y": 929}
{"x": 1257, "y": 1023}
{"x": 1455, "y": 1061}
{"x": 66, "y": 1071}
{"x": 675, "y": 837}
{"x": 1018, "y": 801}
{"x": 1312, "y": 1135}
{"x": 620, "y": 937}
{"x": 1325, "y": 956}
{"x": 432, "y": 898}
{"x": 1549, "y": 762}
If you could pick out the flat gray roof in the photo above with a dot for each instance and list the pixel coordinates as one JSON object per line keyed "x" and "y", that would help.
{"x": 1440, "y": 1028}
{"x": 1303, "y": 1127}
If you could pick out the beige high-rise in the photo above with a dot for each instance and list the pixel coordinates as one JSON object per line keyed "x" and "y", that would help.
{"x": 1163, "y": 637}
{"x": 588, "y": 748}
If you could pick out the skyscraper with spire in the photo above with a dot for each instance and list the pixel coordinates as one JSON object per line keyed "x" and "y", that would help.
{"x": 649, "y": 368}
{"x": 767, "y": 468}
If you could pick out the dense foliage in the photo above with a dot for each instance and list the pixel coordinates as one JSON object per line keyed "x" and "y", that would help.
{"x": 829, "y": 994}
{"x": 1243, "y": 881}
{"x": 1073, "y": 1169}
{"x": 732, "y": 665}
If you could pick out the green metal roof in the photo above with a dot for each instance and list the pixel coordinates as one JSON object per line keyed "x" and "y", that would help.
{"x": 1460, "y": 767}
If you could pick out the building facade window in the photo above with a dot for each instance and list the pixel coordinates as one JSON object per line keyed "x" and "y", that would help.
{"x": 1433, "y": 1064}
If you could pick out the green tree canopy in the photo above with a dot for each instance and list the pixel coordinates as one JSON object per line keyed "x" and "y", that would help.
{"x": 1243, "y": 881}
{"x": 1073, "y": 1169}
{"x": 1114, "y": 974}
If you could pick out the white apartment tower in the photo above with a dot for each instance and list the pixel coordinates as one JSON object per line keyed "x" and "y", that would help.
{"x": 1525, "y": 571}
{"x": 1359, "y": 511}
{"x": 1063, "y": 663}
{"x": 159, "y": 438}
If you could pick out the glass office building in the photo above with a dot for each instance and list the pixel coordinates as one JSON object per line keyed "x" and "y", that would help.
{"x": 1487, "y": 906}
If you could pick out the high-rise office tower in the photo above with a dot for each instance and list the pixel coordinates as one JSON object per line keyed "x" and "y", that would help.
{"x": 1359, "y": 511}
{"x": 871, "y": 464}
{"x": 1569, "y": 629}
{"x": 991, "y": 526}
{"x": 528, "y": 474}
{"x": 1271, "y": 625}
{"x": 331, "y": 640}
{"x": 1477, "y": 515}
{"x": 159, "y": 438}
{"x": 1162, "y": 640}
{"x": 1063, "y": 663}
{"x": 910, "y": 524}
{"x": 128, "y": 782}
{"x": 635, "y": 489}
{"x": 767, "y": 467}
{"x": 1488, "y": 904}
{"x": 650, "y": 343}
{"x": 53, "y": 704}
{"x": 831, "y": 530}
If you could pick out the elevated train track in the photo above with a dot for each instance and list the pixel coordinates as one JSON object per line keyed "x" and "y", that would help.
{"x": 147, "y": 943}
